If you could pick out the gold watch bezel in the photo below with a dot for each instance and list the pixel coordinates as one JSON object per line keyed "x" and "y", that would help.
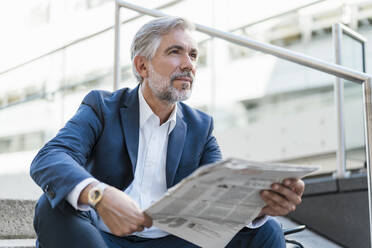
{"x": 95, "y": 194}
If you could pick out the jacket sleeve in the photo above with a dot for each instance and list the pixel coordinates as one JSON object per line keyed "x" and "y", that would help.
{"x": 211, "y": 152}
{"x": 59, "y": 165}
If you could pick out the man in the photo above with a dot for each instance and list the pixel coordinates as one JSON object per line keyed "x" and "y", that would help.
{"x": 121, "y": 151}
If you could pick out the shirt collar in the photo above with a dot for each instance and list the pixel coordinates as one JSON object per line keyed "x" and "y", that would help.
{"x": 146, "y": 112}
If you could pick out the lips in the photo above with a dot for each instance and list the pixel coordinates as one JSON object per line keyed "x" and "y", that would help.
{"x": 184, "y": 79}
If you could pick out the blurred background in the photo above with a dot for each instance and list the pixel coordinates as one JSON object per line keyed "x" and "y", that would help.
{"x": 54, "y": 52}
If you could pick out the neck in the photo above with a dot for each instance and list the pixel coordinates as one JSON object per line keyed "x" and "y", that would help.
{"x": 160, "y": 108}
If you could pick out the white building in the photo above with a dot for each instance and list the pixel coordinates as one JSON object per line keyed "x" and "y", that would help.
{"x": 264, "y": 108}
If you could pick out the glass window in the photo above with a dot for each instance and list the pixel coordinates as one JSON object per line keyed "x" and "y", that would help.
{"x": 352, "y": 56}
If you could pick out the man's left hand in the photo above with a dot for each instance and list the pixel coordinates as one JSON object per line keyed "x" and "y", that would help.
{"x": 282, "y": 198}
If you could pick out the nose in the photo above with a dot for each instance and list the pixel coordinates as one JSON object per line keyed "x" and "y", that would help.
{"x": 188, "y": 63}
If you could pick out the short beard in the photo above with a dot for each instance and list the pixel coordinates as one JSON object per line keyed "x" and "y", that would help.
{"x": 165, "y": 91}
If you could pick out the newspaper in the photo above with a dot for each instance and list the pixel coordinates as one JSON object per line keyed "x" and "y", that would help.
{"x": 216, "y": 201}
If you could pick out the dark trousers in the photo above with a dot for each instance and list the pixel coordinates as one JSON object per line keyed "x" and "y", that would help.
{"x": 65, "y": 227}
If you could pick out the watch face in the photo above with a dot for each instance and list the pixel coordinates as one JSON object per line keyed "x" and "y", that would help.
{"x": 96, "y": 194}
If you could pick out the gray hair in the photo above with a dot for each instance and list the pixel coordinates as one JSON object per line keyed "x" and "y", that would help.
{"x": 148, "y": 37}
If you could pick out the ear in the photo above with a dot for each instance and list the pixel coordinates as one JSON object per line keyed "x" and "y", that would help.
{"x": 140, "y": 62}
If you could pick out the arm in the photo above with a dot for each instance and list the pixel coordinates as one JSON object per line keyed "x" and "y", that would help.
{"x": 59, "y": 165}
{"x": 211, "y": 152}
{"x": 59, "y": 169}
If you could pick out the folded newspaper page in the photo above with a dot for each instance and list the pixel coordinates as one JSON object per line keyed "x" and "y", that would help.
{"x": 216, "y": 201}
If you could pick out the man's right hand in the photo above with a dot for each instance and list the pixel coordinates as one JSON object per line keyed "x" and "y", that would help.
{"x": 119, "y": 212}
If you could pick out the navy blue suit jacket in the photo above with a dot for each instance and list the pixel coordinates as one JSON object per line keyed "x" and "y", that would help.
{"x": 101, "y": 140}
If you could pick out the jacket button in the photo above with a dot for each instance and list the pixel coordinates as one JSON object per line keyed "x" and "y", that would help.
{"x": 51, "y": 194}
{"x": 48, "y": 190}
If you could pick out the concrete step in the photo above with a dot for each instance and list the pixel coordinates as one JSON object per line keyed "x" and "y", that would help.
{"x": 17, "y": 243}
{"x": 16, "y": 217}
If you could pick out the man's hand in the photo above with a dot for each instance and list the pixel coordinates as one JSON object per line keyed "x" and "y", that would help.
{"x": 119, "y": 212}
{"x": 282, "y": 198}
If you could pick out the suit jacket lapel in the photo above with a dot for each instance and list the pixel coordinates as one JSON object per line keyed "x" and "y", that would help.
{"x": 176, "y": 142}
{"x": 129, "y": 113}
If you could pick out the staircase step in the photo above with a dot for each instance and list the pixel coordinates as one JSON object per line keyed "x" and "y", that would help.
{"x": 17, "y": 243}
{"x": 16, "y": 217}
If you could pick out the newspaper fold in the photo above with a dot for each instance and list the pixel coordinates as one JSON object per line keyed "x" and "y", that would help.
{"x": 216, "y": 201}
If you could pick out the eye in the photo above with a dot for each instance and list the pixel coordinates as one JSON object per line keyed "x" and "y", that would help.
{"x": 194, "y": 55}
{"x": 175, "y": 51}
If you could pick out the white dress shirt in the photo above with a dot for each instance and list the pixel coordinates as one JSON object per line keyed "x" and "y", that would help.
{"x": 149, "y": 183}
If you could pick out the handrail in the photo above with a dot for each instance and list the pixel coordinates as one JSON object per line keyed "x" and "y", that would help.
{"x": 276, "y": 51}
{"x": 290, "y": 11}
{"x": 299, "y": 58}
{"x": 287, "y": 12}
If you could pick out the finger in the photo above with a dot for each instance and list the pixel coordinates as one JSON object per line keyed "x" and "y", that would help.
{"x": 148, "y": 220}
{"x": 275, "y": 200}
{"x": 122, "y": 230}
{"x": 296, "y": 185}
{"x": 267, "y": 210}
{"x": 126, "y": 229}
{"x": 143, "y": 219}
{"x": 140, "y": 228}
{"x": 133, "y": 228}
{"x": 274, "y": 210}
{"x": 287, "y": 193}
{"x": 278, "y": 209}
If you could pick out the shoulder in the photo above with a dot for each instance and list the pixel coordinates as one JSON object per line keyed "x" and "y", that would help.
{"x": 194, "y": 116}
{"x": 106, "y": 102}
{"x": 95, "y": 97}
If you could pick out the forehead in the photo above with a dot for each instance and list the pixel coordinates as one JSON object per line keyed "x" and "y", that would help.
{"x": 178, "y": 37}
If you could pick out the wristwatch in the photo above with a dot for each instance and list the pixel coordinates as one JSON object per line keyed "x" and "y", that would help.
{"x": 95, "y": 194}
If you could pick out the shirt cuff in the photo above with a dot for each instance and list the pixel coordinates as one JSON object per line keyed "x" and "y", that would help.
{"x": 73, "y": 196}
{"x": 258, "y": 222}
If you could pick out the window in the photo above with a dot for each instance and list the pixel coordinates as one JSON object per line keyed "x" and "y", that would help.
{"x": 22, "y": 142}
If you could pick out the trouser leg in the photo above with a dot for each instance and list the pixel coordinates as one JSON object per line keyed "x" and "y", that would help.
{"x": 63, "y": 227}
{"x": 269, "y": 235}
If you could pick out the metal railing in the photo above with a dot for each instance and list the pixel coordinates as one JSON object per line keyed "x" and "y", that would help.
{"x": 337, "y": 31}
{"x": 298, "y": 58}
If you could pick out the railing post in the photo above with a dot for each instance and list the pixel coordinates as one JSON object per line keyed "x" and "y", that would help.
{"x": 368, "y": 137}
{"x": 117, "y": 72}
{"x": 339, "y": 96}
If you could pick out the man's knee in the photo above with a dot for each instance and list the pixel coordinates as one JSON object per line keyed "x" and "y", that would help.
{"x": 45, "y": 215}
{"x": 272, "y": 232}
{"x": 272, "y": 226}
{"x": 64, "y": 226}
{"x": 42, "y": 210}
{"x": 268, "y": 235}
